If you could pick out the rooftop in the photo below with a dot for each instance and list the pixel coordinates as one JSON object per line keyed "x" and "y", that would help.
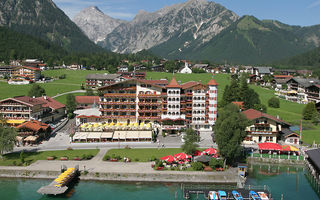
{"x": 28, "y": 100}
{"x": 253, "y": 114}
{"x": 314, "y": 155}
{"x": 212, "y": 82}
{"x": 87, "y": 99}
{"x": 34, "y": 125}
{"x": 51, "y": 103}
{"x": 173, "y": 83}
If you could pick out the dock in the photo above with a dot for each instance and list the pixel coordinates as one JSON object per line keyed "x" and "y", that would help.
{"x": 203, "y": 190}
{"x": 61, "y": 183}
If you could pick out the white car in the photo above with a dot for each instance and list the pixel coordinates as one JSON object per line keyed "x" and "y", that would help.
{"x": 263, "y": 196}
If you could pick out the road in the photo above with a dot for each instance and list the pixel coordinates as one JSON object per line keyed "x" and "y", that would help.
{"x": 71, "y": 92}
{"x": 61, "y": 141}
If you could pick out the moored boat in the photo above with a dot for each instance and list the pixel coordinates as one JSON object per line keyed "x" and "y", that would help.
{"x": 222, "y": 195}
{"x": 263, "y": 196}
{"x": 254, "y": 195}
{"x": 213, "y": 195}
{"x": 236, "y": 195}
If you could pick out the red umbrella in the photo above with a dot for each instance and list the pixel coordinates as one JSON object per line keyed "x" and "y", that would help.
{"x": 197, "y": 153}
{"x": 168, "y": 158}
{"x": 210, "y": 151}
{"x": 182, "y": 156}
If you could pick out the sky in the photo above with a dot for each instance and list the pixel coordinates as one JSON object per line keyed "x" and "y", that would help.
{"x": 292, "y": 12}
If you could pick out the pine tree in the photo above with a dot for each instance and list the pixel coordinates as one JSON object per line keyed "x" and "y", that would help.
{"x": 36, "y": 91}
{"x": 309, "y": 112}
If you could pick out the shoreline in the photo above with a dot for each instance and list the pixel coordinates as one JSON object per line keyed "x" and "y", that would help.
{"x": 121, "y": 172}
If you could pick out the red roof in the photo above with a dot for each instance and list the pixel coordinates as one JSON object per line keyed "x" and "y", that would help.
{"x": 189, "y": 84}
{"x": 212, "y": 82}
{"x": 51, "y": 103}
{"x": 87, "y": 99}
{"x": 269, "y": 146}
{"x": 252, "y": 114}
{"x": 173, "y": 83}
{"x": 34, "y": 125}
{"x": 238, "y": 103}
{"x": 282, "y": 76}
{"x": 29, "y": 100}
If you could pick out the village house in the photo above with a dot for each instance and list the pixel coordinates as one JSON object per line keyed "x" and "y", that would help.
{"x": 32, "y": 132}
{"x": 267, "y": 128}
{"x": 260, "y": 72}
{"x": 19, "y": 109}
{"x": 24, "y": 73}
{"x": 201, "y": 66}
{"x": 84, "y": 102}
{"x": 123, "y": 68}
{"x": 291, "y": 72}
{"x": 280, "y": 81}
{"x": 157, "y": 68}
{"x": 130, "y": 75}
{"x": 94, "y": 81}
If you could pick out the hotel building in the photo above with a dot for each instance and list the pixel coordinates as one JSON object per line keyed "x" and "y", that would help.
{"x": 171, "y": 105}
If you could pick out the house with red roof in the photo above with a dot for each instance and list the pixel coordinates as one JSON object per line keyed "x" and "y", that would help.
{"x": 53, "y": 110}
{"x": 32, "y": 131}
{"x": 267, "y": 128}
{"x": 84, "y": 102}
{"x": 25, "y": 72}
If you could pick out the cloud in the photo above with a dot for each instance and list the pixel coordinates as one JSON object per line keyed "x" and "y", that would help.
{"x": 314, "y": 4}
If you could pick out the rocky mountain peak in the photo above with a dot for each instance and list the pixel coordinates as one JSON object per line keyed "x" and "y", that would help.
{"x": 95, "y": 24}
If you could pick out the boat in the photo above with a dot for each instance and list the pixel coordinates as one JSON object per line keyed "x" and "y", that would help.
{"x": 254, "y": 195}
{"x": 236, "y": 195}
{"x": 222, "y": 195}
{"x": 263, "y": 196}
{"x": 213, "y": 195}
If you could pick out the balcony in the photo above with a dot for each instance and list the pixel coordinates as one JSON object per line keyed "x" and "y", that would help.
{"x": 117, "y": 110}
{"x": 119, "y": 95}
{"x": 149, "y": 117}
{"x": 14, "y": 111}
{"x": 149, "y": 110}
{"x": 149, "y": 95}
{"x": 149, "y": 103}
{"x": 117, "y": 103}
{"x": 173, "y": 117}
{"x": 261, "y": 132}
{"x": 118, "y": 116}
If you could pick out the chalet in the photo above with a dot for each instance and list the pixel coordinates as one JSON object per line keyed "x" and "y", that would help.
{"x": 123, "y": 68}
{"x": 313, "y": 93}
{"x": 297, "y": 86}
{"x": 32, "y": 63}
{"x": 280, "y": 80}
{"x": 262, "y": 71}
{"x": 267, "y": 128}
{"x": 201, "y": 66}
{"x": 84, "y": 102}
{"x": 24, "y": 72}
{"x": 98, "y": 80}
{"x": 157, "y": 68}
{"x": 291, "y": 72}
{"x": 130, "y": 75}
{"x": 33, "y": 131}
{"x": 52, "y": 109}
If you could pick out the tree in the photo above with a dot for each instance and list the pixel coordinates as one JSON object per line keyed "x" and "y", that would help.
{"x": 197, "y": 166}
{"x": 22, "y": 157}
{"x": 71, "y": 103}
{"x": 36, "y": 91}
{"x": 260, "y": 107}
{"x": 230, "y": 132}
{"x": 310, "y": 112}
{"x": 89, "y": 92}
{"x": 231, "y": 93}
{"x": 190, "y": 139}
{"x": 7, "y": 139}
{"x": 250, "y": 99}
{"x": 274, "y": 102}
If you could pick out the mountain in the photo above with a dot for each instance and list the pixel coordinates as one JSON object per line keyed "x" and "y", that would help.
{"x": 95, "y": 24}
{"x": 192, "y": 23}
{"x": 43, "y": 19}
{"x": 14, "y": 45}
{"x": 310, "y": 58}
{"x": 248, "y": 41}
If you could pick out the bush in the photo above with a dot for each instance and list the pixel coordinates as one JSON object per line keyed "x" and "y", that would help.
{"x": 197, "y": 166}
{"x": 136, "y": 159}
{"x": 274, "y": 102}
{"x": 69, "y": 148}
{"x": 118, "y": 157}
{"x": 215, "y": 163}
{"x": 70, "y": 115}
{"x": 153, "y": 158}
{"x": 106, "y": 157}
{"x": 158, "y": 164}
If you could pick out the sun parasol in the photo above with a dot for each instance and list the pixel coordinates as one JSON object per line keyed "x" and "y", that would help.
{"x": 169, "y": 158}
{"x": 182, "y": 156}
{"x": 210, "y": 151}
{"x": 197, "y": 153}
{"x": 289, "y": 148}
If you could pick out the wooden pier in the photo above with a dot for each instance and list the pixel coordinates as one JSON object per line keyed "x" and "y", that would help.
{"x": 200, "y": 190}
{"x": 56, "y": 187}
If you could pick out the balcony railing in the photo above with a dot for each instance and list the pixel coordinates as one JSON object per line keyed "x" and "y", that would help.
{"x": 14, "y": 111}
{"x": 149, "y": 110}
{"x": 149, "y": 117}
{"x": 149, "y": 103}
{"x": 117, "y": 103}
{"x": 118, "y": 116}
{"x": 117, "y": 110}
{"x": 149, "y": 95}
{"x": 120, "y": 95}
{"x": 261, "y": 132}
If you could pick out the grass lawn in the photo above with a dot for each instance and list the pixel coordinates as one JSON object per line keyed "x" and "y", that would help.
{"x": 31, "y": 157}
{"x": 72, "y": 76}
{"x": 143, "y": 155}
{"x": 63, "y": 98}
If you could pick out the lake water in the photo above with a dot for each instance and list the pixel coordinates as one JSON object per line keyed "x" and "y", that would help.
{"x": 289, "y": 181}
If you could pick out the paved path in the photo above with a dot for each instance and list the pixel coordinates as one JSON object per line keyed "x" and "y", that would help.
{"x": 71, "y": 92}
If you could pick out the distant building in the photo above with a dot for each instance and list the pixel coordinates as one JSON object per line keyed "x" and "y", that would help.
{"x": 84, "y": 102}
{"x": 28, "y": 73}
{"x": 130, "y": 75}
{"x": 262, "y": 71}
{"x": 291, "y": 72}
{"x": 201, "y": 66}
{"x": 157, "y": 68}
{"x": 123, "y": 68}
{"x": 33, "y": 63}
{"x": 32, "y": 132}
{"x": 267, "y": 128}
{"x": 185, "y": 69}
{"x": 98, "y": 80}
{"x": 74, "y": 67}
{"x": 6, "y": 70}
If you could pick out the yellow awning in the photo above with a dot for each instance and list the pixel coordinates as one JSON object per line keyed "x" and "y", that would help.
{"x": 15, "y": 121}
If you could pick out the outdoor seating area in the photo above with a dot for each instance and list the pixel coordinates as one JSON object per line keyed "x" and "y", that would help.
{"x": 183, "y": 160}
{"x": 277, "y": 151}
{"x": 113, "y": 136}
{"x": 104, "y": 127}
